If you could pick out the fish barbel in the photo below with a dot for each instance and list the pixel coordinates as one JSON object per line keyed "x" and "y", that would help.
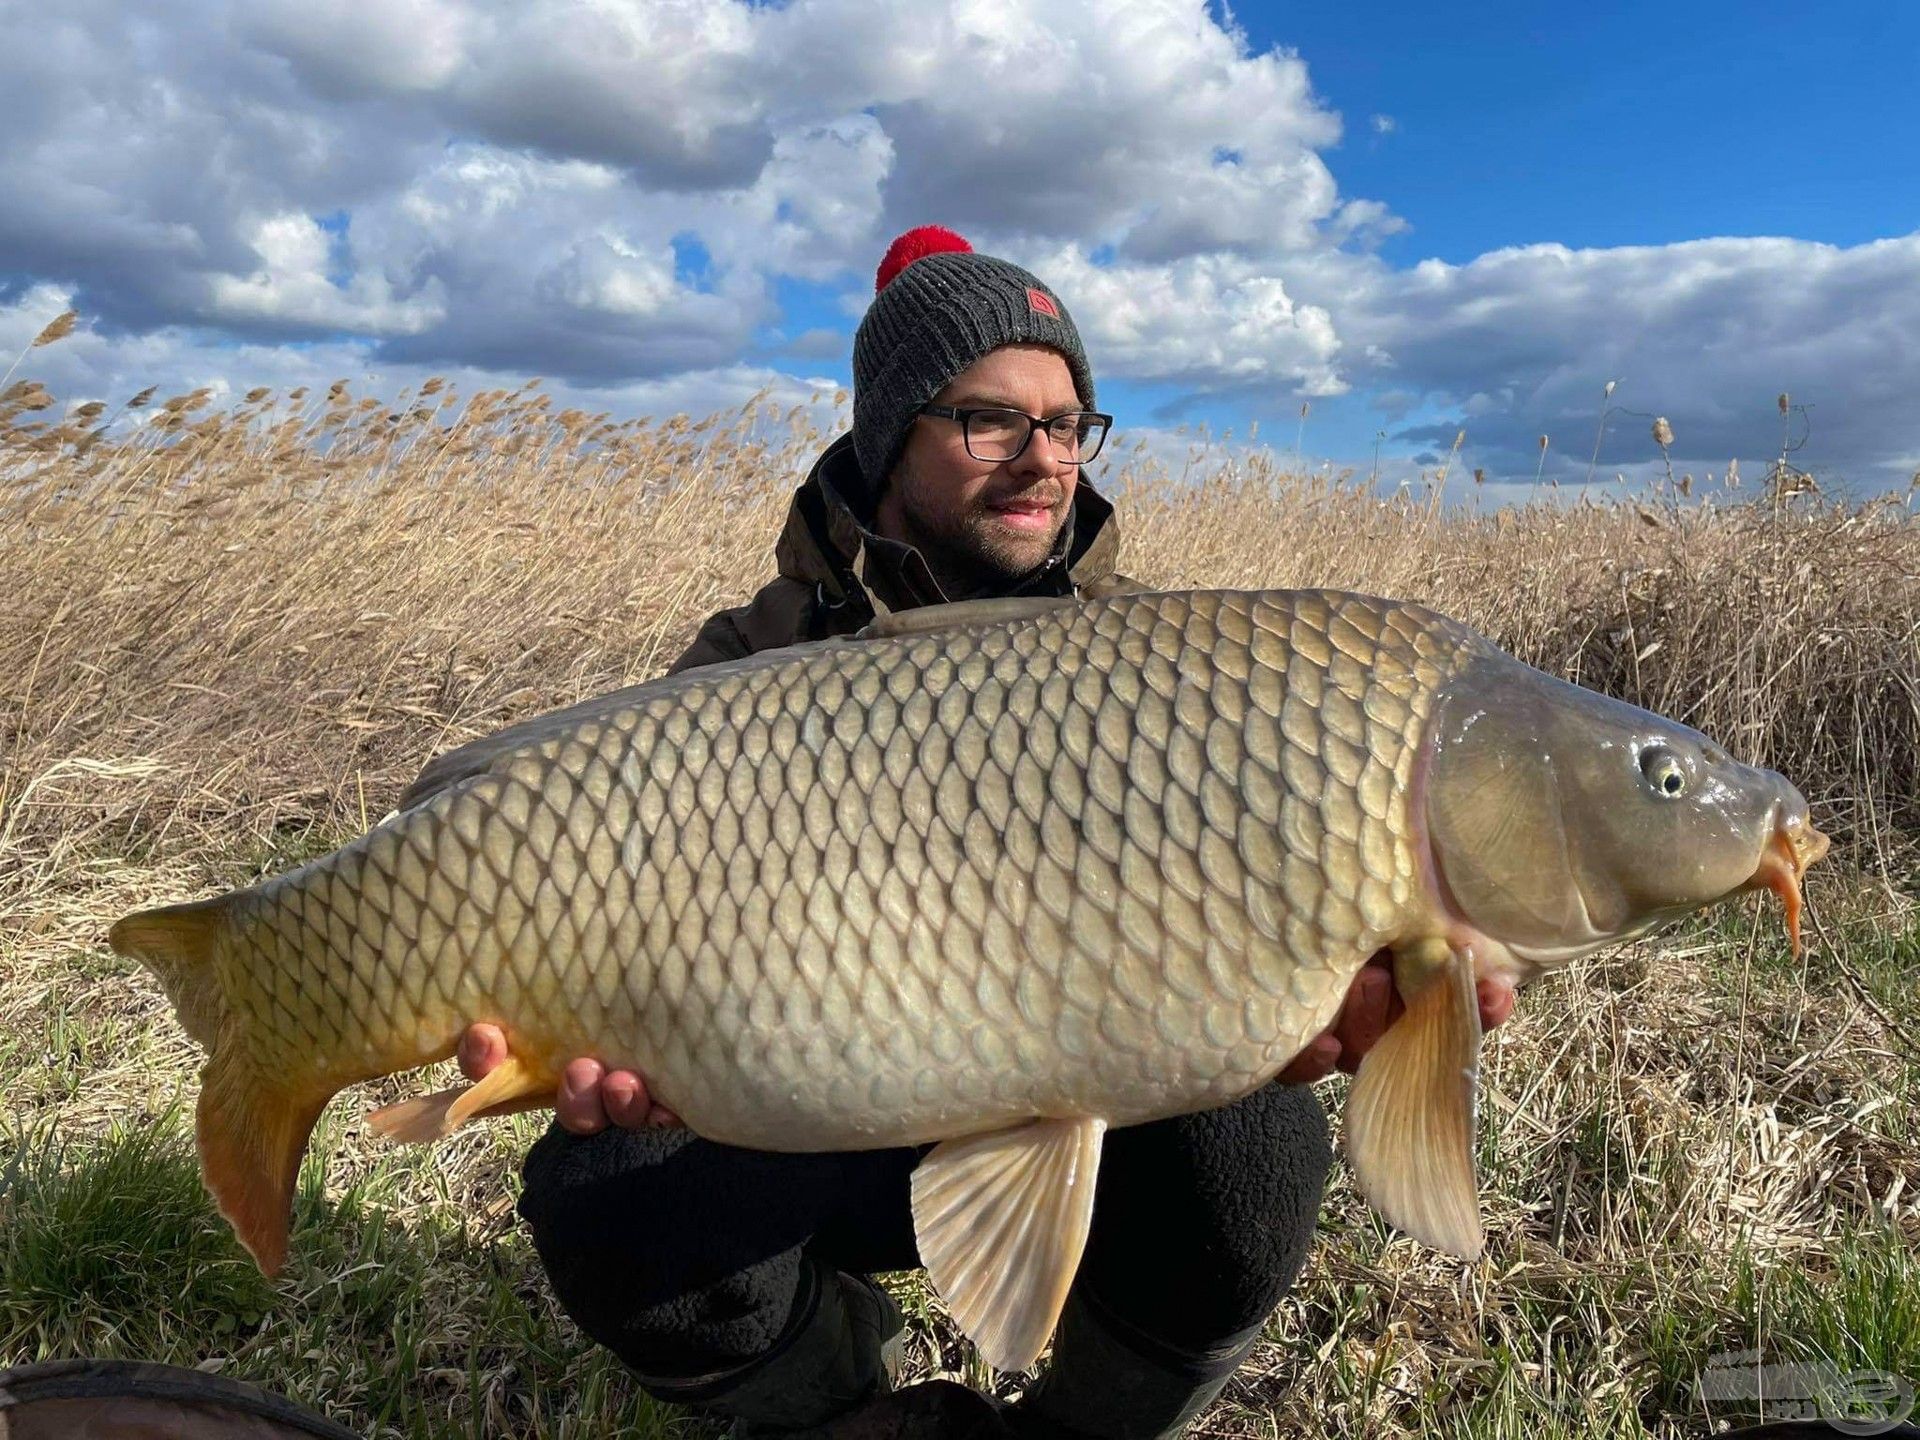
{"x": 998, "y": 875}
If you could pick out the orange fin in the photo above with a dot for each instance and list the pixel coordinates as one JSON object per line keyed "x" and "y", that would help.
{"x": 509, "y": 1086}
{"x": 251, "y": 1135}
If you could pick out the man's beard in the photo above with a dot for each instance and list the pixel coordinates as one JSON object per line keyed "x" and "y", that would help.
{"x": 969, "y": 557}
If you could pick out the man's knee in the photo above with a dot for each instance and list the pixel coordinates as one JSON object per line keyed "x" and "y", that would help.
{"x": 684, "y": 1256}
{"x": 624, "y": 1223}
{"x": 1203, "y": 1222}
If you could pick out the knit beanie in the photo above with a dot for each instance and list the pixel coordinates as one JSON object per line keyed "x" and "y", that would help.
{"x": 939, "y": 306}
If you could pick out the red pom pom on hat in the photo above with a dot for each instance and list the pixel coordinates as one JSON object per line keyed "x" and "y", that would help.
{"x": 916, "y": 244}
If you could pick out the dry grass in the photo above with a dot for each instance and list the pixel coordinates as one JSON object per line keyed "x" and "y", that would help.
{"x": 230, "y": 642}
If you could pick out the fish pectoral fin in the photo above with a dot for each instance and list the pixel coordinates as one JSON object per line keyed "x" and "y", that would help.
{"x": 1410, "y": 1116}
{"x": 510, "y": 1086}
{"x": 1001, "y": 1220}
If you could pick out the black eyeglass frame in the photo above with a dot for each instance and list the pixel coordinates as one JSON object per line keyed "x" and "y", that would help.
{"x": 964, "y": 414}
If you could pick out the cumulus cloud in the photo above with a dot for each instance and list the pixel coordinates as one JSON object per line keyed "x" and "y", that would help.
{"x": 1205, "y": 323}
{"x": 1520, "y": 341}
{"x": 632, "y": 192}
{"x": 292, "y": 286}
{"x": 92, "y": 365}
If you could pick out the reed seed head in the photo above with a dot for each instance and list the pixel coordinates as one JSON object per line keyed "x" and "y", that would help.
{"x": 58, "y": 328}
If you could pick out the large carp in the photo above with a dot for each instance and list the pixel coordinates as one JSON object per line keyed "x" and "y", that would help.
{"x": 999, "y": 875}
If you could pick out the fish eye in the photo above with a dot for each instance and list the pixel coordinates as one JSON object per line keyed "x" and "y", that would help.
{"x": 1663, "y": 771}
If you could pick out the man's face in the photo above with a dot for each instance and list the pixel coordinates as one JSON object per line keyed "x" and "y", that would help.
{"x": 982, "y": 522}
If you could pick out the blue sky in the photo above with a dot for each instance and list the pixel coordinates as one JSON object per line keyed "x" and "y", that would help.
{"x": 1619, "y": 124}
{"x": 1419, "y": 223}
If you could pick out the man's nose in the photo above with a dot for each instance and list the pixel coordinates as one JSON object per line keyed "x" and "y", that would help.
{"x": 1041, "y": 457}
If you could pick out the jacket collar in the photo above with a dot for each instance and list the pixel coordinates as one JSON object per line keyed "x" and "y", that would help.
{"x": 826, "y": 543}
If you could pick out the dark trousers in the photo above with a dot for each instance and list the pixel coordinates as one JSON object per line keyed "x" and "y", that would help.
{"x": 685, "y": 1257}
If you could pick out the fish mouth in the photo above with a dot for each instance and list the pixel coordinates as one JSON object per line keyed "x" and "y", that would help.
{"x": 1790, "y": 849}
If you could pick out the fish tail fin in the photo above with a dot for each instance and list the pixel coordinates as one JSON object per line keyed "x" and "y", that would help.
{"x": 252, "y": 1126}
{"x": 177, "y": 943}
{"x": 252, "y": 1131}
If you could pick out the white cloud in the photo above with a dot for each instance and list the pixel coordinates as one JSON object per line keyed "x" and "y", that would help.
{"x": 292, "y": 286}
{"x": 1210, "y": 322}
{"x": 621, "y": 193}
{"x": 90, "y": 365}
{"x": 353, "y": 49}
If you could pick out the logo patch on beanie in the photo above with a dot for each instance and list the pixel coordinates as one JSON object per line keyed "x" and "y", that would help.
{"x": 1042, "y": 303}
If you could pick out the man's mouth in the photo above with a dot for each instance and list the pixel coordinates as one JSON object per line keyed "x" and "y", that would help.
{"x": 1025, "y": 513}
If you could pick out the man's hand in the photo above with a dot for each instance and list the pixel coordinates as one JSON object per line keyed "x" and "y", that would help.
{"x": 590, "y": 1098}
{"x": 1372, "y": 1005}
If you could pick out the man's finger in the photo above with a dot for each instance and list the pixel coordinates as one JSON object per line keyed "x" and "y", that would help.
{"x": 662, "y": 1118}
{"x": 1316, "y": 1062}
{"x": 1364, "y": 1017}
{"x": 578, "y": 1103}
{"x": 1496, "y": 1002}
{"x": 625, "y": 1096}
{"x": 482, "y": 1047}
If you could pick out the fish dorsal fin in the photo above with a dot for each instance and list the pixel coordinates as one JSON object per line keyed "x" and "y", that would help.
{"x": 931, "y": 619}
{"x": 1410, "y": 1115}
{"x": 1001, "y": 1220}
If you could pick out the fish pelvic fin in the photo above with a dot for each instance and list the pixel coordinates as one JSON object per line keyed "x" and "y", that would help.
{"x": 1001, "y": 1220}
{"x": 176, "y": 942}
{"x": 510, "y": 1086}
{"x": 252, "y": 1130}
{"x": 1410, "y": 1115}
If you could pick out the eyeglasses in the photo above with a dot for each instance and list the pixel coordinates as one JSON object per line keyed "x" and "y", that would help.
{"x": 998, "y": 435}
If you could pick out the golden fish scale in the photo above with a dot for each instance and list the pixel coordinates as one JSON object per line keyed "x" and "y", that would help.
{"x": 1122, "y": 859}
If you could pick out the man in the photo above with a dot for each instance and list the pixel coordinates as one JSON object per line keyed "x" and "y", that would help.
{"x": 738, "y": 1280}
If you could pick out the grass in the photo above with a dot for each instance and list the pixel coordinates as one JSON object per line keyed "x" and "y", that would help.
{"x": 229, "y": 640}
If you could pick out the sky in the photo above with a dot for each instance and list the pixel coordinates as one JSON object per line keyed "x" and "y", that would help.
{"x": 1416, "y": 222}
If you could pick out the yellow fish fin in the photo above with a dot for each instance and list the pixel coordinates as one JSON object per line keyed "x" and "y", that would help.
{"x": 252, "y": 1131}
{"x": 1410, "y": 1114}
{"x": 176, "y": 942}
{"x": 1001, "y": 1220}
{"x": 511, "y": 1085}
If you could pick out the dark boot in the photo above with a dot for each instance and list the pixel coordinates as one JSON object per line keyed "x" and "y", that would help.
{"x": 1106, "y": 1382}
{"x": 843, "y": 1348}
